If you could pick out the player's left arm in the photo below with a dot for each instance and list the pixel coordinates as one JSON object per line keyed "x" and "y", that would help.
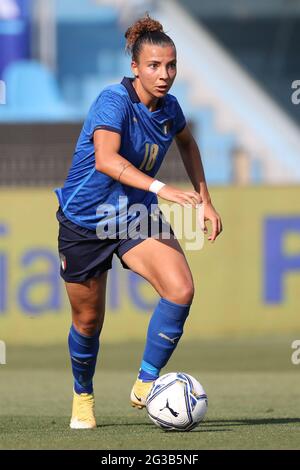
{"x": 191, "y": 158}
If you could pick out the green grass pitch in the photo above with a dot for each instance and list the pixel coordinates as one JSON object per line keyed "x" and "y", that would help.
{"x": 252, "y": 386}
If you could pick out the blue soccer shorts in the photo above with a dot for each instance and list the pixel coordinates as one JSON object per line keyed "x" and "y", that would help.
{"x": 83, "y": 255}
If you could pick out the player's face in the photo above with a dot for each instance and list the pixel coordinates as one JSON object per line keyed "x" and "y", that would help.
{"x": 156, "y": 69}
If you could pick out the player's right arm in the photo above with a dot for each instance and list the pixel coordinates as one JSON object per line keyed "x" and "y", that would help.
{"x": 109, "y": 161}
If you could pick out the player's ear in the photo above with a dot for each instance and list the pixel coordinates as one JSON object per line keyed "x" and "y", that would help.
{"x": 134, "y": 69}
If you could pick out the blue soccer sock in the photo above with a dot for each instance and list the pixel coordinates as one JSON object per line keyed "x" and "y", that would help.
{"x": 83, "y": 351}
{"x": 164, "y": 331}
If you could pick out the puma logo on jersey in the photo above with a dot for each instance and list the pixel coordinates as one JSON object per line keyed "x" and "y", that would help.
{"x": 172, "y": 340}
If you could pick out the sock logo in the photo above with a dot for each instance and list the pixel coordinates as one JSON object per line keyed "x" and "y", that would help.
{"x": 172, "y": 340}
{"x": 174, "y": 413}
{"x": 85, "y": 363}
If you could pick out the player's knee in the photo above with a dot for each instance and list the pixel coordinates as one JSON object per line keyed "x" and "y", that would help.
{"x": 187, "y": 294}
{"x": 181, "y": 294}
{"x": 87, "y": 325}
{"x": 88, "y": 329}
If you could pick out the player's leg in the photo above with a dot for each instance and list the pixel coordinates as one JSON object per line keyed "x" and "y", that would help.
{"x": 163, "y": 264}
{"x": 87, "y": 301}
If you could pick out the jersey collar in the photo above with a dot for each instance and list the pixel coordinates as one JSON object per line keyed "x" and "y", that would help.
{"x": 127, "y": 83}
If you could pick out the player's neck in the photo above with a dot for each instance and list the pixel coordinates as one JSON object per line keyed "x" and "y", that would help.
{"x": 148, "y": 100}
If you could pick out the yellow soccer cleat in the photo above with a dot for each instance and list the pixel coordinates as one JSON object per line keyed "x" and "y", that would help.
{"x": 139, "y": 393}
{"x": 83, "y": 411}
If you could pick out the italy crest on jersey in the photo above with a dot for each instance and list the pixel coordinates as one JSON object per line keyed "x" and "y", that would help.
{"x": 63, "y": 261}
{"x": 167, "y": 126}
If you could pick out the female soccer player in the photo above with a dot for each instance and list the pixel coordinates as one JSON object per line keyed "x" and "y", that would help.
{"x": 121, "y": 146}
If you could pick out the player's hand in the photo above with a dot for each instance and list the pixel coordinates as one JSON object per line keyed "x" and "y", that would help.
{"x": 207, "y": 212}
{"x": 184, "y": 198}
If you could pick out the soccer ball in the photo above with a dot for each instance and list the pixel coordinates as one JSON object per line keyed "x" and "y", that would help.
{"x": 177, "y": 401}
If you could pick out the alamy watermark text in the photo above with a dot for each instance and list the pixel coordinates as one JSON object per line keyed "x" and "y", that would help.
{"x": 2, "y": 352}
{"x": 295, "y": 97}
{"x": 2, "y": 92}
{"x": 296, "y": 354}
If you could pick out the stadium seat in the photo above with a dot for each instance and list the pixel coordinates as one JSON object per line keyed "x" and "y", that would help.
{"x": 202, "y": 119}
{"x": 85, "y": 10}
{"x": 216, "y": 150}
{"x": 124, "y": 65}
{"x": 92, "y": 86}
{"x": 180, "y": 90}
{"x": 256, "y": 172}
{"x": 33, "y": 94}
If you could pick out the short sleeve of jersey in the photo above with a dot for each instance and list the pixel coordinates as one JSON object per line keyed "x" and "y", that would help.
{"x": 180, "y": 121}
{"x": 108, "y": 112}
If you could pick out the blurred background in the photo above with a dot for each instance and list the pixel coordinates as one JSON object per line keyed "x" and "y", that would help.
{"x": 237, "y": 83}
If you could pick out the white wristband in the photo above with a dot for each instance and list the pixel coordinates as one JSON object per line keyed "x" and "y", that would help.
{"x": 156, "y": 186}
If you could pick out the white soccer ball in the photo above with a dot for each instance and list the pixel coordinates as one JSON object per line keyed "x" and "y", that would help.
{"x": 177, "y": 401}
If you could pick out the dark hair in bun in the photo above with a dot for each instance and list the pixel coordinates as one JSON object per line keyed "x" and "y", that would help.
{"x": 145, "y": 30}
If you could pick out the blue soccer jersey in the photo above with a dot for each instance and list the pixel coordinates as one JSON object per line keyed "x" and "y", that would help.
{"x": 145, "y": 139}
